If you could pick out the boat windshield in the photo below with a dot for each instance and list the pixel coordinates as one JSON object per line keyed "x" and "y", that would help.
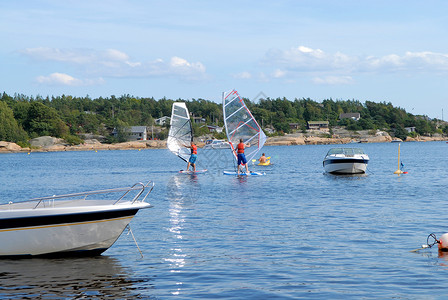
{"x": 346, "y": 151}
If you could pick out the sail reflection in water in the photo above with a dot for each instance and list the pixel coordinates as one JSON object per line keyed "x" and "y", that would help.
{"x": 96, "y": 277}
{"x": 182, "y": 190}
{"x": 176, "y": 220}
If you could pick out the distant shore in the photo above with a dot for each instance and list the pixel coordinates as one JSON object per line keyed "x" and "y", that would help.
{"x": 287, "y": 140}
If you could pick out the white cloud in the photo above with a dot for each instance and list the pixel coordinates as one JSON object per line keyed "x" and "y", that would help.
{"x": 333, "y": 80}
{"x": 279, "y": 73}
{"x": 115, "y": 63}
{"x": 410, "y": 61}
{"x": 181, "y": 66}
{"x": 175, "y": 67}
{"x": 304, "y": 59}
{"x": 76, "y": 56}
{"x": 116, "y": 55}
{"x": 65, "y": 79}
{"x": 262, "y": 77}
{"x": 243, "y": 75}
{"x": 305, "y": 49}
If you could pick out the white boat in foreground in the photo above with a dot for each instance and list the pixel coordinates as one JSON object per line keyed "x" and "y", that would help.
{"x": 346, "y": 161}
{"x": 69, "y": 225}
{"x": 216, "y": 144}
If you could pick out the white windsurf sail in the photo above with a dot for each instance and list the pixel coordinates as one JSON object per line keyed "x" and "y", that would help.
{"x": 181, "y": 132}
{"x": 240, "y": 124}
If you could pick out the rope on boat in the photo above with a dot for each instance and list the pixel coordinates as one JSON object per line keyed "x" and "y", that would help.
{"x": 135, "y": 241}
{"x": 428, "y": 244}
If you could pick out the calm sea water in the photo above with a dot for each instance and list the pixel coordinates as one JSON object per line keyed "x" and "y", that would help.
{"x": 295, "y": 233}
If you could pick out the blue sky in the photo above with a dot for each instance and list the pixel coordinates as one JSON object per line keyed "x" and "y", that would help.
{"x": 392, "y": 51}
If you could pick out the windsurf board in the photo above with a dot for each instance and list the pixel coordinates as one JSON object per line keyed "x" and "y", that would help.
{"x": 251, "y": 173}
{"x": 192, "y": 172}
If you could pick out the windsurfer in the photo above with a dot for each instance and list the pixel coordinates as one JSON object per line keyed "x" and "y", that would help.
{"x": 241, "y": 157}
{"x": 193, "y": 156}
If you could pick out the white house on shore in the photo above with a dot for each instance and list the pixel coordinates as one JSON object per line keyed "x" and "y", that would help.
{"x": 134, "y": 133}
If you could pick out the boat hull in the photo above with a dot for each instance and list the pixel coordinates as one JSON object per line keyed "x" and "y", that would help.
{"x": 345, "y": 166}
{"x": 63, "y": 231}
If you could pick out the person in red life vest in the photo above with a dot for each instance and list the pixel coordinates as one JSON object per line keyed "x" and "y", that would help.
{"x": 241, "y": 157}
{"x": 193, "y": 157}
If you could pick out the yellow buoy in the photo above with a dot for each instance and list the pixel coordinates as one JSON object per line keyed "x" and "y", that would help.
{"x": 398, "y": 171}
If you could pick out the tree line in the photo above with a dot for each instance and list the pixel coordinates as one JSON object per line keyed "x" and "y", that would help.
{"x": 23, "y": 117}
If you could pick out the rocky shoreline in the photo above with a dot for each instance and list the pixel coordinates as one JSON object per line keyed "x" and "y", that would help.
{"x": 313, "y": 140}
{"x": 88, "y": 145}
{"x": 50, "y": 144}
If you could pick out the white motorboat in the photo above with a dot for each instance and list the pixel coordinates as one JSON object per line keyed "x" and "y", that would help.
{"x": 216, "y": 144}
{"x": 69, "y": 225}
{"x": 346, "y": 161}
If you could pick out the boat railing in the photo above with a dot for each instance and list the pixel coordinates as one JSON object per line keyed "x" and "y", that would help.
{"x": 141, "y": 188}
{"x": 136, "y": 187}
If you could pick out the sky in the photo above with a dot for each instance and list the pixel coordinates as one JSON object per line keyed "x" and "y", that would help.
{"x": 380, "y": 51}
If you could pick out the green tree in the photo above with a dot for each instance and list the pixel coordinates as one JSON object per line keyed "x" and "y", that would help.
{"x": 10, "y": 131}
{"x": 43, "y": 120}
{"x": 399, "y": 131}
{"x": 122, "y": 130}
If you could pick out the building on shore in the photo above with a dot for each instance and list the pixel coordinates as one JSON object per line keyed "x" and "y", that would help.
{"x": 318, "y": 125}
{"x": 353, "y": 116}
{"x": 133, "y": 133}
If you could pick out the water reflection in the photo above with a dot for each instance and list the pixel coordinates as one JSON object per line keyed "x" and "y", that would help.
{"x": 242, "y": 179}
{"x": 183, "y": 190}
{"x": 95, "y": 277}
{"x": 193, "y": 178}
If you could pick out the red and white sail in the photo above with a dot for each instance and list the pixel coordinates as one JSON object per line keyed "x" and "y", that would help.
{"x": 240, "y": 124}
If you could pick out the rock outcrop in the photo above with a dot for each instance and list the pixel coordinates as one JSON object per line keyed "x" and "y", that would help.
{"x": 11, "y": 147}
{"x": 46, "y": 142}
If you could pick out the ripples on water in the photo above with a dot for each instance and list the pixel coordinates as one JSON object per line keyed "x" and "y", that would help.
{"x": 295, "y": 233}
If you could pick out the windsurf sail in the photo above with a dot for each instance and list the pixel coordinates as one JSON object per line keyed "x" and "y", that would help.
{"x": 240, "y": 124}
{"x": 181, "y": 132}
